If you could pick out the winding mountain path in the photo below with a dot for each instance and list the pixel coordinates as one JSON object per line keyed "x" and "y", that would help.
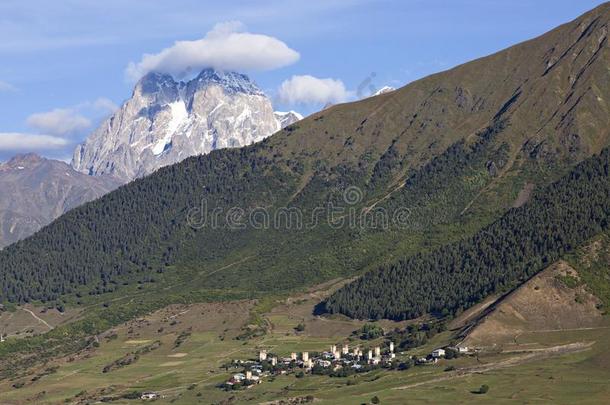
{"x": 38, "y": 318}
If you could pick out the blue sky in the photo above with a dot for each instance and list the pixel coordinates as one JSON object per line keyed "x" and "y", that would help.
{"x": 64, "y": 62}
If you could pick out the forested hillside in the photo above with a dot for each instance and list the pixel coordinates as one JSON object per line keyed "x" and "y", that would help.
{"x": 450, "y": 152}
{"x": 152, "y": 228}
{"x": 502, "y": 255}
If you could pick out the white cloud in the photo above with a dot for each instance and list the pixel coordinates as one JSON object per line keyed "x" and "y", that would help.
{"x": 19, "y": 142}
{"x": 60, "y": 121}
{"x": 312, "y": 90}
{"x": 6, "y": 87}
{"x": 225, "y": 47}
{"x": 105, "y": 105}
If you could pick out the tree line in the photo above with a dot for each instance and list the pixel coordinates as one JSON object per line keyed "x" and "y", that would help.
{"x": 500, "y": 256}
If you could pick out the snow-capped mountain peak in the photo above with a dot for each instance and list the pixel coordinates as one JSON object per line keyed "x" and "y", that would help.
{"x": 383, "y": 90}
{"x": 230, "y": 81}
{"x": 166, "y": 121}
{"x": 287, "y": 118}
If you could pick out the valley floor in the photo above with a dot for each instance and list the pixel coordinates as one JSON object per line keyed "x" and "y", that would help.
{"x": 567, "y": 366}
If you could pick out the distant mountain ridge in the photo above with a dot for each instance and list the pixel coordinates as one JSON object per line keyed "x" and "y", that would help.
{"x": 36, "y": 190}
{"x": 166, "y": 121}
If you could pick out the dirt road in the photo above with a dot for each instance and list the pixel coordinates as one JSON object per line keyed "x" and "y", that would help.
{"x": 537, "y": 354}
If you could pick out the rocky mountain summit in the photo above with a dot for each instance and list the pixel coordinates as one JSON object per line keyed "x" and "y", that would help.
{"x": 287, "y": 118}
{"x": 166, "y": 121}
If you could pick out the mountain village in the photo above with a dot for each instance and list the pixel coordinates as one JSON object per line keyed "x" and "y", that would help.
{"x": 337, "y": 361}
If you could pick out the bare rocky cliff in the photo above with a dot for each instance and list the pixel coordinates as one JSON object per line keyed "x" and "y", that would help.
{"x": 35, "y": 191}
{"x": 166, "y": 121}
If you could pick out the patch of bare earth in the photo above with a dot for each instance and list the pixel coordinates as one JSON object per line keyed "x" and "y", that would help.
{"x": 177, "y": 355}
{"x": 472, "y": 313}
{"x": 524, "y": 195}
{"x": 544, "y": 303}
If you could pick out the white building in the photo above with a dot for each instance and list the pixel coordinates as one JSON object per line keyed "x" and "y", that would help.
{"x": 293, "y": 356}
{"x": 438, "y": 353}
{"x": 305, "y": 356}
{"x": 149, "y": 396}
{"x": 262, "y": 355}
{"x": 324, "y": 363}
{"x": 345, "y": 349}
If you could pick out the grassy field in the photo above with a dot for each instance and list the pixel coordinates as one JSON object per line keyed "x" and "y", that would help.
{"x": 573, "y": 378}
{"x": 189, "y": 373}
